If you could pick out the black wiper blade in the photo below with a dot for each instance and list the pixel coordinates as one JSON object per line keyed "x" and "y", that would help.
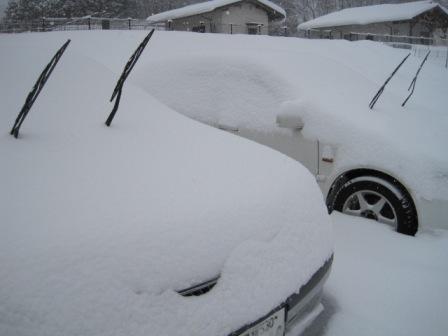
{"x": 124, "y": 75}
{"x": 380, "y": 91}
{"x": 414, "y": 81}
{"x": 37, "y": 88}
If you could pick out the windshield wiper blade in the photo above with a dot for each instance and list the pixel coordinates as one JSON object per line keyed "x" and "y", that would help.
{"x": 124, "y": 75}
{"x": 414, "y": 81}
{"x": 380, "y": 91}
{"x": 37, "y": 88}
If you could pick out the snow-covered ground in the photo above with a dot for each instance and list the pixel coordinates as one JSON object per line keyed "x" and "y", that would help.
{"x": 384, "y": 283}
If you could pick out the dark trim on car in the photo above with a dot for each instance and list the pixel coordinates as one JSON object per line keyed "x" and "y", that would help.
{"x": 305, "y": 289}
{"x": 200, "y": 289}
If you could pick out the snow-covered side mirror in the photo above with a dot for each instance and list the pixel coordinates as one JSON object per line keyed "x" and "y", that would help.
{"x": 291, "y": 121}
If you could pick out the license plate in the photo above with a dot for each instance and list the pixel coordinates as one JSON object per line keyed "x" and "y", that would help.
{"x": 273, "y": 325}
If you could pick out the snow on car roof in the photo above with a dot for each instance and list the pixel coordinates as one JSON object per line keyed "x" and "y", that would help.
{"x": 99, "y": 226}
{"x": 371, "y": 14}
{"x": 205, "y": 7}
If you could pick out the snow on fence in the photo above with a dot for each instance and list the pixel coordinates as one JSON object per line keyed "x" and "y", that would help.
{"x": 418, "y": 45}
{"x": 84, "y": 23}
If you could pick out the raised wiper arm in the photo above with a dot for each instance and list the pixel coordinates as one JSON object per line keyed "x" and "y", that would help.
{"x": 380, "y": 91}
{"x": 414, "y": 81}
{"x": 124, "y": 75}
{"x": 37, "y": 88}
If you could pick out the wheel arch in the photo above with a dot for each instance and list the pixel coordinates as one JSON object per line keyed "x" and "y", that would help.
{"x": 360, "y": 172}
{"x": 410, "y": 222}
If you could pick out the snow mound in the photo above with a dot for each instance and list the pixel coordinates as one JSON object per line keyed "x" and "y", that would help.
{"x": 99, "y": 226}
{"x": 400, "y": 289}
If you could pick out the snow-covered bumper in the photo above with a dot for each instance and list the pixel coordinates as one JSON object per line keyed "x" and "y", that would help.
{"x": 296, "y": 313}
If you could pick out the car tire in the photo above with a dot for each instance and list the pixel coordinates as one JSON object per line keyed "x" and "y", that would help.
{"x": 375, "y": 198}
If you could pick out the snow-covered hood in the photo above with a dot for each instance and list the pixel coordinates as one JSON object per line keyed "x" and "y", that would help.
{"x": 100, "y": 226}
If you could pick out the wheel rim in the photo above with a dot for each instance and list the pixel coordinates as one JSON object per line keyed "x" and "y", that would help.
{"x": 372, "y": 205}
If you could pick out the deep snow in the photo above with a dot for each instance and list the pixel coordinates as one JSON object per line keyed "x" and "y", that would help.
{"x": 384, "y": 283}
{"x": 99, "y": 226}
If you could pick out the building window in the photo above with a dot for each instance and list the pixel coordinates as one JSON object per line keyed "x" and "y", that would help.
{"x": 252, "y": 30}
{"x": 200, "y": 28}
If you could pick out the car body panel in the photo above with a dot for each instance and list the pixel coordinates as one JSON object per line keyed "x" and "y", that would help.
{"x": 321, "y": 159}
{"x": 291, "y": 143}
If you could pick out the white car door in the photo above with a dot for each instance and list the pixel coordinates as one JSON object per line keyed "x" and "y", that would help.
{"x": 292, "y": 144}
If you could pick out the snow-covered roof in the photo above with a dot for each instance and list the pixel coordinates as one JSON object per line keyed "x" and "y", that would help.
{"x": 209, "y": 6}
{"x": 371, "y": 14}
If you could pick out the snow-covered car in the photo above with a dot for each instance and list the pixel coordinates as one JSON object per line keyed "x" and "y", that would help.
{"x": 309, "y": 99}
{"x": 158, "y": 225}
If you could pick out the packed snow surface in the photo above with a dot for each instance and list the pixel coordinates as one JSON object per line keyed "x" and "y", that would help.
{"x": 99, "y": 226}
{"x": 385, "y": 283}
{"x": 372, "y": 14}
{"x": 206, "y": 7}
{"x": 244, "y": 82}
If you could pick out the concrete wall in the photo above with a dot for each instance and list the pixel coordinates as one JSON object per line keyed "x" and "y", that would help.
{"x": 231, "y": 19}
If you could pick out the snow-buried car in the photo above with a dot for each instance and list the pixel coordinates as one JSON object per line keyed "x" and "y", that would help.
{"x": 309, "y": 99}
{"x": 114, "y": 231}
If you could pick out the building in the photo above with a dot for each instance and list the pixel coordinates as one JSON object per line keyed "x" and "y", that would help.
{"x": 222, "y": 16}
{"x": 419, "y": 19}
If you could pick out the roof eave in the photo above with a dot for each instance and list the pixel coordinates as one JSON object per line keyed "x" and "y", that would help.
{"x": 272, "y": 14}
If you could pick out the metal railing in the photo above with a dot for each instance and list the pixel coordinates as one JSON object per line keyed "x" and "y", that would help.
{"x": 84, "y": 23}
{"x": 94, "y": 23}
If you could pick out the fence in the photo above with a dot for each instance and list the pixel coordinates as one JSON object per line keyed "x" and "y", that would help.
{"x": 223, "y": 28}
{"x": 92, "y": 23}
{"x": 85, "y": 23}
{"x": 419, "y": 46}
